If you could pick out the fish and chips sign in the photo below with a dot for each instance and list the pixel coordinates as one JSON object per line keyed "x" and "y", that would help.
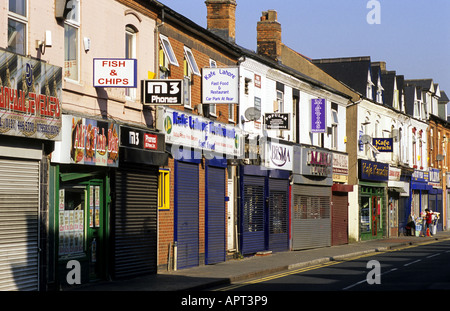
{"x": 30, "y": 97}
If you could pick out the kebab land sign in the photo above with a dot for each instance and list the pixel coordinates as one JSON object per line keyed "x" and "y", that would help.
{"x": 92, "y": 142}
{"x": 196, "y": 132}
{"x": 30, "y": 97}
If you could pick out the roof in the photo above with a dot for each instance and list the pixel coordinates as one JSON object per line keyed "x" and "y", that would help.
{"x": 352, "y": 70}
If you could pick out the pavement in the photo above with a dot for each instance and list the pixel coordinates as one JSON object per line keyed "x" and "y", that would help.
{"x": 207, "y": 276}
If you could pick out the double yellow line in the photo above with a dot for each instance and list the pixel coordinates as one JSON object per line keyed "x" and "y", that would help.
{"x": 314, "y": 267}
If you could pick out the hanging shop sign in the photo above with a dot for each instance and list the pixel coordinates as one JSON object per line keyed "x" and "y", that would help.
{"x": 220, "y": 85}
{"x": 162, "y": 92}
{"x": 196, "y": 132}
{"x": 376, "y": 171}
{"x": 276, "y": 121}
{"x": 318, "y": 115}
{"x": 383, "y": 144}
{"x": 115, "y": 72}
{"x": 89, "y": 142}
{"x": 30, "y": 97}
{"x": 278, "y": 156}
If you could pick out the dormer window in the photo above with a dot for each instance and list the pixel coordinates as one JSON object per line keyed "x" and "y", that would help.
{"x": 369, "y": 86}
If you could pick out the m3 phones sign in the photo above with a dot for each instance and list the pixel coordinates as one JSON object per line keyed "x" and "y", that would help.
{"x": 162, "y": 92}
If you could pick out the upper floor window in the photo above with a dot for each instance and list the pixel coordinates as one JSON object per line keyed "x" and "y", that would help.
{"x": 168, "y": 51}
{"x": 130, "y": 52}
{"x": 71, "y": 42}
{"x": 17, "y": 26}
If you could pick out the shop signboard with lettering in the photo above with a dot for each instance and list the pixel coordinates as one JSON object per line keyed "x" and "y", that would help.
{"x": 220, "y": 85}
{"x": 196, "y": 132}
{"x": 30, "y": 97}
{"x": 115, "y": 72}
{"x": 375, "y": 171}
{"x": 383, "y": 144}
{"x": 278, "y": 156}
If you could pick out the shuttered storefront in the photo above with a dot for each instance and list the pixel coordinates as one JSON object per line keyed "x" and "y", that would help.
{"x": 339, "y": 218}
{"x": 19, "y": 225}
{"x": 252, "y": 214}
{"x": 311, "y": 222}
{"x": 278, "y": 214}
{"x": 187, "y": 214}
{"x": 135, "y": 221}
{"x": 215, "y": 215}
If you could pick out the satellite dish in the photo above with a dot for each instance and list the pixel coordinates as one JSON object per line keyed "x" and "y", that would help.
{"x": 365, "y": 139}
{"x": 252, "y": 114}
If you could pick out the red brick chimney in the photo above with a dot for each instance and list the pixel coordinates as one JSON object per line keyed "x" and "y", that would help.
{"x": 269, "y": 35}
{"x": 221, "y": 18}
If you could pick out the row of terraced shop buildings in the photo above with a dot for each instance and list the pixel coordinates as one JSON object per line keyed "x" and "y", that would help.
{"x": 134, "y": 141}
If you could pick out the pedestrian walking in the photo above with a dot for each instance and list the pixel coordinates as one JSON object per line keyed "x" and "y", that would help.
{"x": 428, "y": 222}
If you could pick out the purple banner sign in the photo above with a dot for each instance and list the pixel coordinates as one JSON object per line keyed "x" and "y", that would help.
{"x": 318, "y": 113}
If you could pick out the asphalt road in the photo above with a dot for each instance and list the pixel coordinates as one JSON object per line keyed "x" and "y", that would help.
{"x": 418, "y": 267}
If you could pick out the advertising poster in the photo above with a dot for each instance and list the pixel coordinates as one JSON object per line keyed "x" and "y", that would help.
{"x": 318, "y": 116}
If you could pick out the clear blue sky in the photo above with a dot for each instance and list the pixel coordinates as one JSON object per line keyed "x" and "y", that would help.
{"x": 413, "y": 37}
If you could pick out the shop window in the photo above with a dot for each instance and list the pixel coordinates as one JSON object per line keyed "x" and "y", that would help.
{"x": 164, "y": 190}
{"x": 17, "y": 26}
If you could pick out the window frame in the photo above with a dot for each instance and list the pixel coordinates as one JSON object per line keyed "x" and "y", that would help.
{"x": 164, "y": 189}
{"x": 168, "y": 50}
{"x": 130, "y": 34}
{"x": 75, "y": 24}
{"x": 191, "y": 61}
{"x": 20, "y": 19}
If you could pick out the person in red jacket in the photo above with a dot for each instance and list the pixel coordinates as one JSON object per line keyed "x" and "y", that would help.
{"x": 428, "y": 221}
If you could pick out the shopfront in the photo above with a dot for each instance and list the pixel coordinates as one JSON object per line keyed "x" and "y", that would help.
{"x": 435, "y": 203}
{"x": 398, "y": 196}
{"x": 80, "y": 195}
{"x": 200, "y": 148}
{"x": 30, "y": 123}
{"x": 264, "y": 204}
{"x": 420, "y": 190}
{"x": 373, "y": 179}
{"x": 311, "y": 198}
{"x": 339, "y": 199}
{"x": 134, "y": 208}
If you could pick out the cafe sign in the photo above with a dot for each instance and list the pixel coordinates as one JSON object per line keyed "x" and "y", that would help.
{"x": 196, "y": 132}
{"x": 383, "y": 144}
{"x": 376, "y": 171}
{"x": 30, "y": 97}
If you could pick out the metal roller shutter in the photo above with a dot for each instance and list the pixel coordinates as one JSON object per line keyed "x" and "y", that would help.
{"x": 339, "y": 218}
{"x": 215, "y": 215}
{"x": 135, "y": 221}
{"x": 187, "y": 214}
{"x": 311, "y": 223}
{"x": 278, "y": 214}
{"x": 252, "y": 214}
{"x": 19, "y": 225}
